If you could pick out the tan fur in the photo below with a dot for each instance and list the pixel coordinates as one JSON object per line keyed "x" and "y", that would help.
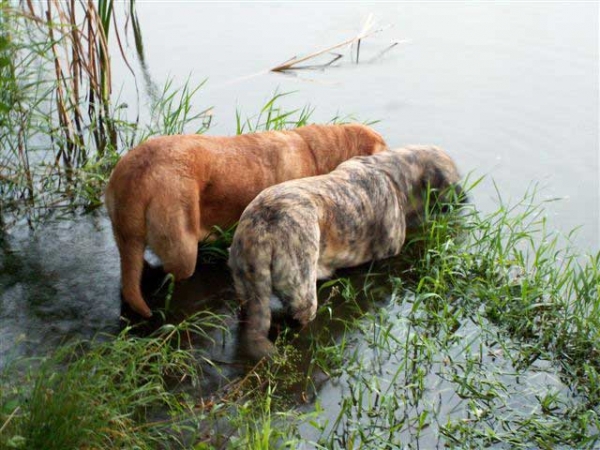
{"x": 169, "y": 192}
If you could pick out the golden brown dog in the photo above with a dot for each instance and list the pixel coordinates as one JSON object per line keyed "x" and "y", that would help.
{"x": 299, "y": 231}
{"x": 169, "y": 192}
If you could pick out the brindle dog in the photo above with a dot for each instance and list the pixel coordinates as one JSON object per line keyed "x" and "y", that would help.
{"x": 169, "y": 192}
{"x": 297, "y": 232}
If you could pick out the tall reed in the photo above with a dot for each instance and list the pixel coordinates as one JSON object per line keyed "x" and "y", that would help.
{"x": 57, "y": 112}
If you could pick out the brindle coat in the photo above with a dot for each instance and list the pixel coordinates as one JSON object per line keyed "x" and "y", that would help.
{"x": 297, "y": 232}
{"x": 170, "y": 191}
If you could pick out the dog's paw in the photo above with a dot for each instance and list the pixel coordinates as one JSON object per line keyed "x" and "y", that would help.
{"x": 257, "y": 347}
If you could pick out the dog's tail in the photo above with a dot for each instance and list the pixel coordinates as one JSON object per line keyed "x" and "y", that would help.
{"x": 130, "y": 237}
{"x": 250, "y": 264}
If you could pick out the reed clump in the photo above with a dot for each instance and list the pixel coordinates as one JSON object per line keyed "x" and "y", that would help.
{"x": 60, "y": 129}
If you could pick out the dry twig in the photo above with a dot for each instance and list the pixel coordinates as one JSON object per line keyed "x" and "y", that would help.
{"x": 366, "y": 31}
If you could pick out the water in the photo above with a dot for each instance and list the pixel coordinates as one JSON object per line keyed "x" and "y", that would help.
{"x": 58, "y": 283}
{"x": 509, "y": 89}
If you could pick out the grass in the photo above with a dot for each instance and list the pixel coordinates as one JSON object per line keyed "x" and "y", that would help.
{"x": 484, "y": 332}
{"x": 104, "y": 394}
{"x": 273, "y": 117}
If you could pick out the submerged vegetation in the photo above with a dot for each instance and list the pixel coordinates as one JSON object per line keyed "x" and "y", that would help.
{"x": 483, "y": 333}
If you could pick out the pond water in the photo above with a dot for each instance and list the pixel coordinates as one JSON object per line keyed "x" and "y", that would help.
{"x": 510, "y": 90}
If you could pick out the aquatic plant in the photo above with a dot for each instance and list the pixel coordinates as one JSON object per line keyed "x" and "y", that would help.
{"x": 486, "y": 336}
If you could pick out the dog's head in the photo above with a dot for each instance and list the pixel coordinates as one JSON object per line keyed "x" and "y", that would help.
{"x": 430, "y": 179}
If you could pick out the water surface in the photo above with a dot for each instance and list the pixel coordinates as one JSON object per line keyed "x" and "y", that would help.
{"x": 509, "y": 89}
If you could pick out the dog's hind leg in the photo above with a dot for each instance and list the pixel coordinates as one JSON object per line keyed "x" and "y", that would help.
{"x": 256, "y": 315}
{"x": 173, "y": 232}
{"x": 302, "y": 303}
{"x": 295, "y": 275}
